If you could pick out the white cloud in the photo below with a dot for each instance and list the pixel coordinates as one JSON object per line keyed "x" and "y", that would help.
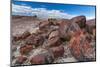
{"x": 90, "y": 17}
{"x": 21, "y": 9}
{"x": 40, "y": 12}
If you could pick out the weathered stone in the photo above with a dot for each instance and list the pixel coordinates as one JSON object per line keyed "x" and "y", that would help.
{"x": 63, "y": 27}
{"x": 38, "y": 59}
{"x": 44, "y": 52}
{"x": 73, "y": 27}
{"x": 80, "y": 20}
{"x": 54, "y": 39}
{"x": 35, "y": 40}
{"x": 42, "y": 58}
{"x": 21, "y": 36}
{"x": 25, "y": 49}
{"x": 67, "y": 28}
{"x": 58, "y": 51}
{"x": 21, "y": 59}
{"x": 44, "y": 24}
{"x": 88, "y": 52}
{"x": 53, "y": 21}
{"x": 80, "y": 47}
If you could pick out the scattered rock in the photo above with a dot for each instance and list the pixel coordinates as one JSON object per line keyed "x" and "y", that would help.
{"x": 54, "y": 39}
{"x": 68, "y": 59}
{"x": 25, "y": 49}
{"x": 63, "y": 28}
{"x": 58, "y": 51}
{"x": 44, "y": 24}
{"x": 88, "y": 52}
{"x": 21, "y": 36}
{"x": 80, "y": 47}
{"x": 21, "y": 59}
{"x": 53, "y": 21}
{"x": 67, "y": 28}
{"x": 35, "y": 40}
{"x": 73, "y": 27}
{"x": 80, "y": 20}
{"x": 42, "y": 58}
{"x": 45, "y": 52}
{"x": 38, "y": 59}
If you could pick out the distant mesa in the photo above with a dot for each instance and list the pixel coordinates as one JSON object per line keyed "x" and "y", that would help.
{"x": 24, "y": 17}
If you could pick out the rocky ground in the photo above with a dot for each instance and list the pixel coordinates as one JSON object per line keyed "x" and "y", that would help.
{"x": 39, "y": 41}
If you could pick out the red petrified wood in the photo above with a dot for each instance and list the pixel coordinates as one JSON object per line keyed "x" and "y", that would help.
{"x": 26, "y": 49}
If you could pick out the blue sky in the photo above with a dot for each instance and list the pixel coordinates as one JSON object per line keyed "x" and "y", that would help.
{"x": 65, "y": 10}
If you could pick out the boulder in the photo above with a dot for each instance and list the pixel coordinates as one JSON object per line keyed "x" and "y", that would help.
{"x": 21, "y": 36}
{"x": 53, "y": 21}
{"x": 88, "y": 52}
{"x": 47, "y": 26}
{"x": 25, "y": 49}
{"x": 54, "y": 39}
{"x": 42, "y": 58}
{"x": 67, "y": 28}
{"x": 46, "y": 52}
{"x": 80, "y": 47}
{"x": 21, "y": 59}
{"x": 35, "y": 40}
{"x": 63, "y": 27}
{"x": 58, "y": 51}
{"x": 73, "y": 27}
{"x": 80, "y": 20}
{"x": 44, "y": 24}
{"x": 38, "y": 59}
